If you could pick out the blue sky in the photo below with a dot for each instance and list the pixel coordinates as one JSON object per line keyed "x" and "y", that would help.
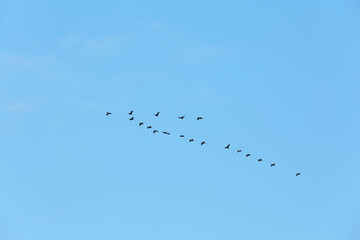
{"x": 277, "y": 79}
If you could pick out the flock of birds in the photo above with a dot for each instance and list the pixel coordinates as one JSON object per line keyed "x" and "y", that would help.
{"x": 190, "y": 140}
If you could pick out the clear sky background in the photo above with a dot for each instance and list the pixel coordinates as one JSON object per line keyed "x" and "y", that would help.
{"x": 278, "y": 79}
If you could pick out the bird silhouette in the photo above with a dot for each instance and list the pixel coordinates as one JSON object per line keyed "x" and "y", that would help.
{"x": 192, "y": 140}
{"x": 108, "y": 113}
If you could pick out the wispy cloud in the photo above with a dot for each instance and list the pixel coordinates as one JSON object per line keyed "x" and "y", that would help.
{"x": 153, "y": 26}
{"x": 158, "y": 26}
{"x": 205, "y": 51}
{"x": 104, "y": 45}
{"x": 203, "y": 94}
{"x": 25, "y": 61}
{"x": 17, "y": 107}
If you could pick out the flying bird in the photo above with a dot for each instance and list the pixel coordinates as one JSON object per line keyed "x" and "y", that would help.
{"x": 191, "y": 140}
{"x": 199, "y": 118}
{"x": 182, "y": 117}
{"x": 157, "y": 114}
{"x": 166, "y": 133}
{"x": 148, "y": 127}
{"x": 260, "y": 160}
{"x": 132, "y": 118}
{"x": 248, "y": 155}
{"x": 108, "y": 113}
{"x": 131, "y": 112}
{"x": 202, "y": 143}
{"x": 141, "y": 123}
{"x": 155, "y": 131}
{"x": 182, "y": 136}
{"x": 227, "y": 147}
{"x": 272, "y": 165}
{"x": 238, "y": 151}
{"x": 298, "y": 174}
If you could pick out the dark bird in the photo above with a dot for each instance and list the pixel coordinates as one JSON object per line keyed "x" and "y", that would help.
{"x": 157, "y": 114}
{"x": 298, "y": 174}
{"x": 272, "y": 165}
{"x": 182, "y": 136}
{"x": 260, "y": 160}
{"x": 238, "y": 151}
{"x": 227, "y": 147}
{"x": 131, "y": 112}
{"x": 182, "y": 117}
{"x": 148, "y": 127}
{"x": 191, "y": 140}
{"x": 155, "y": 131}
{"x": 108, "y": 113}
{"x": 202, "y": 143}
{"x": 141, "y": 123}
{"x": 248, "y": 155}
{"x": 199, "y": 118}
{"x": 166, "y": 133}
{"x": 132, "y": 118}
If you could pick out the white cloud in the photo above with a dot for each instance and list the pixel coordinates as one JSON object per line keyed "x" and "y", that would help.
{"x": 158, "y": 26}
{"x": 17, "y": 107}
{"x": 28, "y": 61}
{"x": 203, "y": 94}
{"x": 153, "y": 26}
{"x": 105, "y": 45}
{"x": 205, "y": 52}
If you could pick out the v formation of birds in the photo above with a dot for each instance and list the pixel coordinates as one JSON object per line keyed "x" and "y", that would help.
{"x": 227, "y": 147}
